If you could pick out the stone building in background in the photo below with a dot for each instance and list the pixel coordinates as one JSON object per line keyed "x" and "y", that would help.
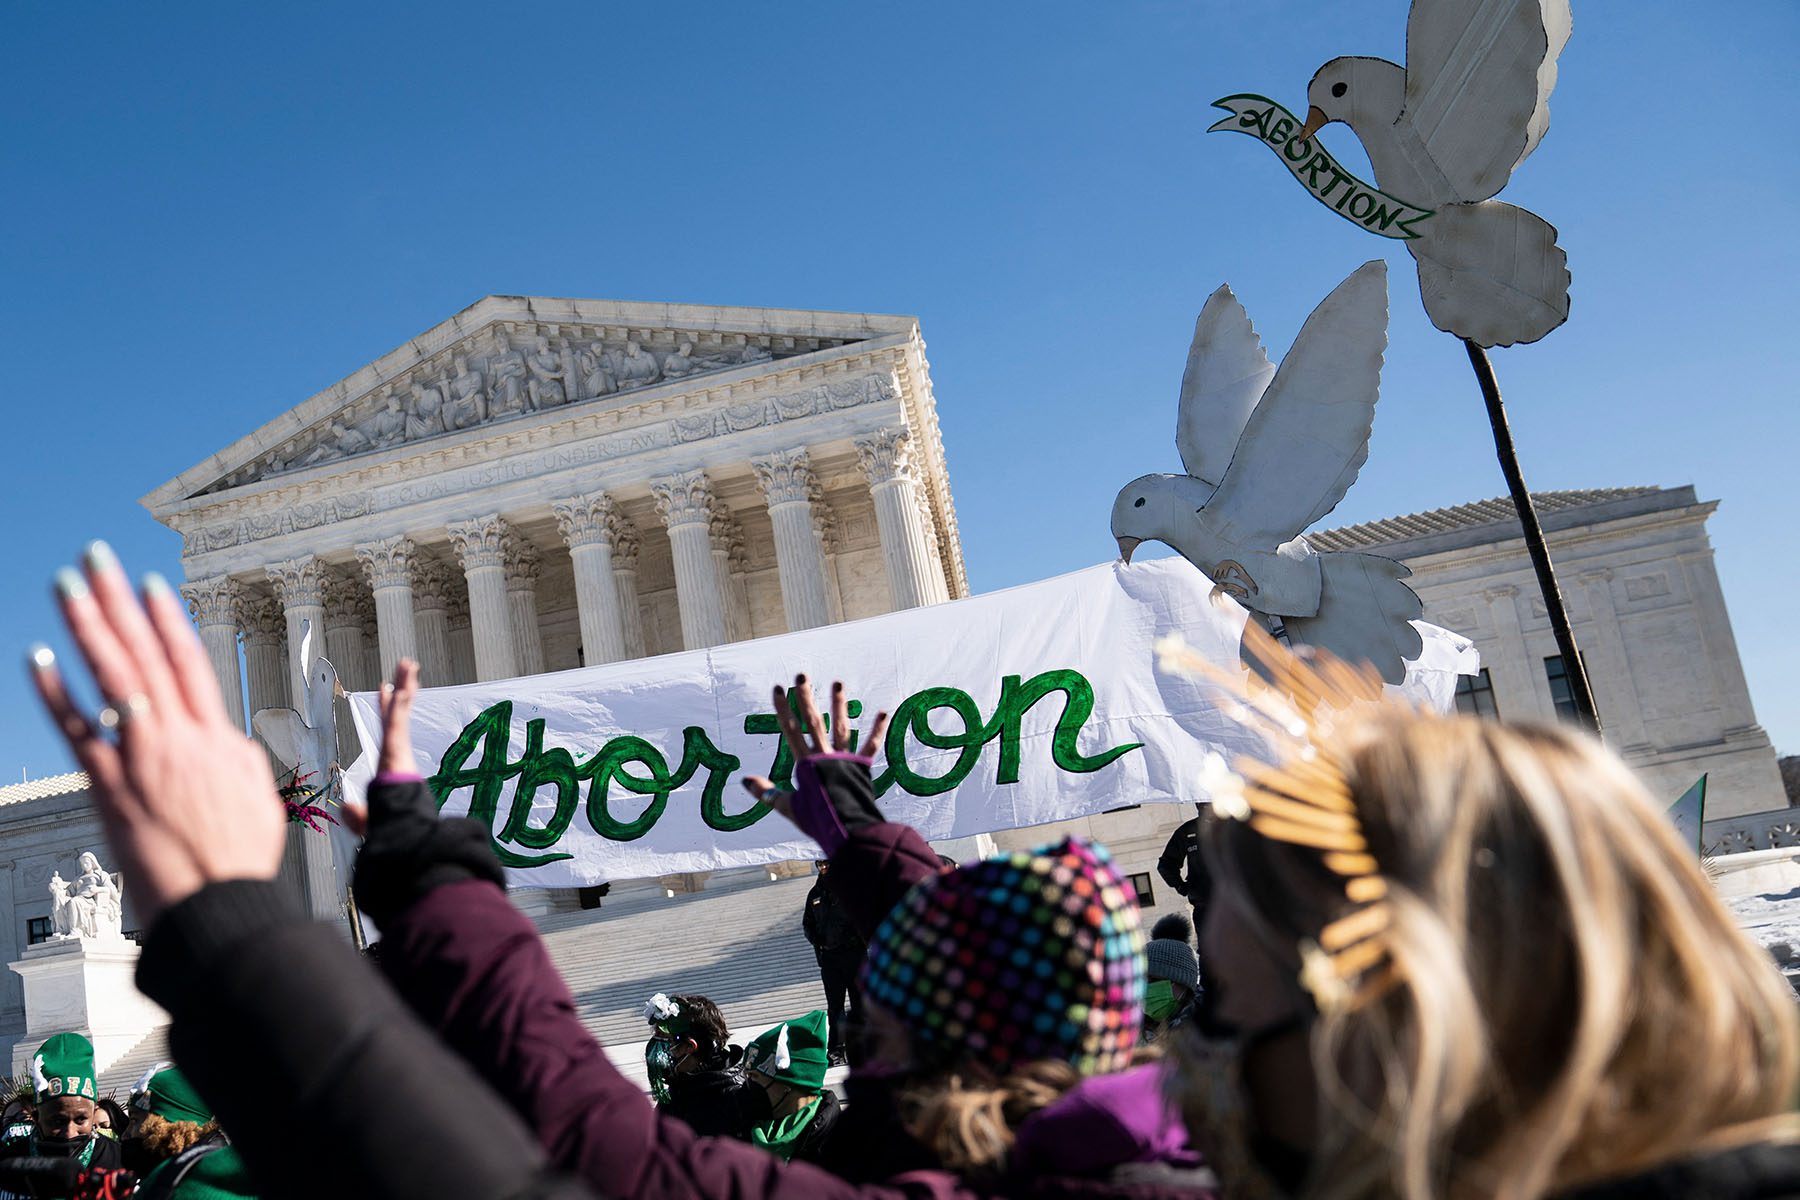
{"x": 539, "y": 484}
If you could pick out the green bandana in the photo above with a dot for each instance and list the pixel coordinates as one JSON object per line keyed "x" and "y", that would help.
{"x": 1159, "y": 1000}
{"x": 778, "y": 1137}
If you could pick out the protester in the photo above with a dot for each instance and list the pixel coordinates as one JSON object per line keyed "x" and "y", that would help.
{"x": 329, "y": 1085}
{"x": 1449, "y": 957}
{"x": 993, "y": 1081}
{"x": 1183, "y": 866}
{"x": 697, "y": 1070}
{"x": 787, "y": 1064}
{"x": 189, "y": 1156}
{"x": 109, "y": 1118}
{"x": 64, "y": 1077}
{"x": 1174, "y": 975}
{"x": 839, "y": 950}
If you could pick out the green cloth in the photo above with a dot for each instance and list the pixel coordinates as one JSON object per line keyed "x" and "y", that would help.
{"x": 219, "y": 1175}
{"x": 64, "y": 1066}
{"x": 171, "y": 1097}
{"x": 780, "y": 1137}
{"x": 793, "y": 1052}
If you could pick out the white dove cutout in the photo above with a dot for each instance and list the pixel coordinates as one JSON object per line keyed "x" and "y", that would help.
{"x": 1446, "y": 131}
{"x": 1268, "y": 452}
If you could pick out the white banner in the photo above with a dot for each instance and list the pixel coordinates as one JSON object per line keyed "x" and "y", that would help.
{"x": 1014, "y": 708}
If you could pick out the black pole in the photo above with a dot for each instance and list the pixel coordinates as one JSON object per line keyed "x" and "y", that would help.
{"x": 1573, "y": 668}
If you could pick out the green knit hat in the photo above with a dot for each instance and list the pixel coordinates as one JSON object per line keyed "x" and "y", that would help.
{"x": 793, "y": 1052}
{"x": 169, "y": 1095}
{"x": 64, "y": 1066}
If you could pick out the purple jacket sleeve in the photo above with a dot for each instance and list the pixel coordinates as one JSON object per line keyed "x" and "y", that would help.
{"x": 875, "y": 866}
{"x": 474, "y": 968}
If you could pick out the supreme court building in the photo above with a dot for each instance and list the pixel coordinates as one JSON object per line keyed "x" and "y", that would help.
{"x": 539, "y": 484}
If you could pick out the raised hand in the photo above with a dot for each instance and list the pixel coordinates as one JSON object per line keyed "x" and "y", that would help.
{"x": 804, "y": 728}
{"x": 185, "y": 798}
{"x": 396, "y": 757}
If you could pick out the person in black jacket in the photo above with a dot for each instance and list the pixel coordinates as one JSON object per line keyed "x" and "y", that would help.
{"x": 328, "y": 1082}
{"x": 1183, "y": 867}
{"x": 840, "y": 951}
{"x": 707, "y": 1086}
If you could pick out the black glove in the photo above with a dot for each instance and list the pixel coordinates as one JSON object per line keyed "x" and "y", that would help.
{"x": 410, "y": 850}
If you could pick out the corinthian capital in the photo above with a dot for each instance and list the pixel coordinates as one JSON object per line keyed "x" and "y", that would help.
{"x": 683, "y": 499}
{"x": 432, "y": 584}
{"x": 212, "y": 601}
{"x": 261, "y": 619}
{"x": 586, "y": 520}
{"x": 480, "y": 541}
{"x": 785, "y": 477}
{"x": 299, "y": 582}
{"x": 387, "y": 563}
{"x": 344, "y": 601}
{"x": 625, "y": 545}
{"x": 885, "y": 455}
{"x": 522, "y": 565}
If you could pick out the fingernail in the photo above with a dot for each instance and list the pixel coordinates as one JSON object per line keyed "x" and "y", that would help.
{"x": 747, "y": 786}
{"x": 70, "y": 585}
{"x": 99, "y": 556}
{"x": 41, "y": 656}
{"x": 156, "y": 585}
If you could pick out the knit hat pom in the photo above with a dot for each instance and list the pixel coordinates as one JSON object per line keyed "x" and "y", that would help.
{"x": 1018, "y": 958}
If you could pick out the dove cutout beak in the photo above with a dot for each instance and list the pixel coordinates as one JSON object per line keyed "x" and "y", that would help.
{"x": 1315, "y": 121}
{"x": 1127, "y": 545}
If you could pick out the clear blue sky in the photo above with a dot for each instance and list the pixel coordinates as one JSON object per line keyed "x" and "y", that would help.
{"x": 213, "y": 210}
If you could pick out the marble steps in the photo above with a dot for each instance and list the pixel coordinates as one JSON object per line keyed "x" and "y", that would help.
{"x": 117, "y": 1080}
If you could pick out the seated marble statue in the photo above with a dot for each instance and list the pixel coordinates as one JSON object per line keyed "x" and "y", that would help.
{"x": 91, "y": 907}
{"x": 680, "y": 362}
{"x": 468, "y": 397}
{"x": 546, "y": 377}
{"x": 388, "y": 425}
{"x": 637, "y": 368}
{"x": 425, "y": 415}
{"x": 344, "y": 440}
{"x": 506, "y": 385}
{"x": 596, "y": 377}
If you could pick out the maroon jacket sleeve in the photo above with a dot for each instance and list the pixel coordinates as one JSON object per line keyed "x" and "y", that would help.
{"x": 875, "y": 866}
{"x": 474, "y": 968}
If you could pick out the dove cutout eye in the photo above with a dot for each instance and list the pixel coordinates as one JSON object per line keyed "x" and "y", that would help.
{"x": 1138, "y": 503}
{"x": 1338, "y": 89}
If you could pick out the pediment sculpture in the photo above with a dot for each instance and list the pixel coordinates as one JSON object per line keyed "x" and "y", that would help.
{"x": 498, "y": 374}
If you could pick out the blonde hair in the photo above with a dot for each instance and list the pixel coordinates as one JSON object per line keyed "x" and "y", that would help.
{"x": 164, "y": 1138}
{"x": 1565, "y": 999}
{"x": 967, "y": 1118}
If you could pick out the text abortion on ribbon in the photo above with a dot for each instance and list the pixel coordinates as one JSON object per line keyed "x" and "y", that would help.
{"x": 1334, "y": 187}
{"x": 478, "y": 760}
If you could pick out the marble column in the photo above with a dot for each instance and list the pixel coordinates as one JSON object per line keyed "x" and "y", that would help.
{"x": 588, "y": 526}
{"x": 788, "y": 486}
{"x": 344, "y": 632}
{"x": 388, "y": 565}
{"x": 213, "y": 603}
{"x": 462, "y": 637}
{"x": 522, "y": 570}
{"x": 432, "y": 589}
{"x": 625, "y": 574}
{"x": 685, "y": 503}
{"x": 300, "y": 586}
{"x": 728, "y": 568}
{"x": 480, "y": 546}
{"x": 265, "y": 652}
{"x": 825, "y": 528}
{"x": 370, "y": 658}
{"x": 904, "y": 550}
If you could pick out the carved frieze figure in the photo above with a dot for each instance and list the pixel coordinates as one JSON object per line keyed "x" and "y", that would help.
{"x": 506, "y": 381}
{"x": 679, "y": 362}
{"x": 596, "y": 376}
{"x": 546, "y": 370}
{"x": 342, "y": 442}
{"x": 388, "y": 426}
{"x": 468, "y": 396}
{"x": 637, "y": 368}
{"x": 425, "y": 415}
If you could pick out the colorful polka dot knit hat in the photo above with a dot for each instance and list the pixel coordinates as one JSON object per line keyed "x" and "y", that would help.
{"x": 1029, "y": 956}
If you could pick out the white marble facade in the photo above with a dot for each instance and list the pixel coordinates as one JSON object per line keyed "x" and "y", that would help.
{"x": 535, "y": 485}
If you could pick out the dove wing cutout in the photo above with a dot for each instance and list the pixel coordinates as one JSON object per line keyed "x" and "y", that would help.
{"x": 1478, "y": 79}
{"x": 1297, "y": 456}
{"x": 1227, "y": 373}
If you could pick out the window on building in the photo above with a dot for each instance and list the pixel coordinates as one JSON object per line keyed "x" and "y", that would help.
{"x": 1475, "y": 694}
{"x": 1146, "y": 895}
{"x": 37, "y": 929}
{"x": 1560, "y": 693}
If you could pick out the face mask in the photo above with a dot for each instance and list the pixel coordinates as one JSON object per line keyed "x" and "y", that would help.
{"x": 1209, "y": 1089}
{"x": 51, "y": 1147}
{"x": 1160, "y": 1002}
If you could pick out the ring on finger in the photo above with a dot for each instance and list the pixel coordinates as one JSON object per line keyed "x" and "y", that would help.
{"x": 116, "y": 717}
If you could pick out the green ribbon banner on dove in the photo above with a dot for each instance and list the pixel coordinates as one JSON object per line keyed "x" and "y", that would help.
{"x": 1039, "y": 703}
{"x": 1357, "y": 202}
